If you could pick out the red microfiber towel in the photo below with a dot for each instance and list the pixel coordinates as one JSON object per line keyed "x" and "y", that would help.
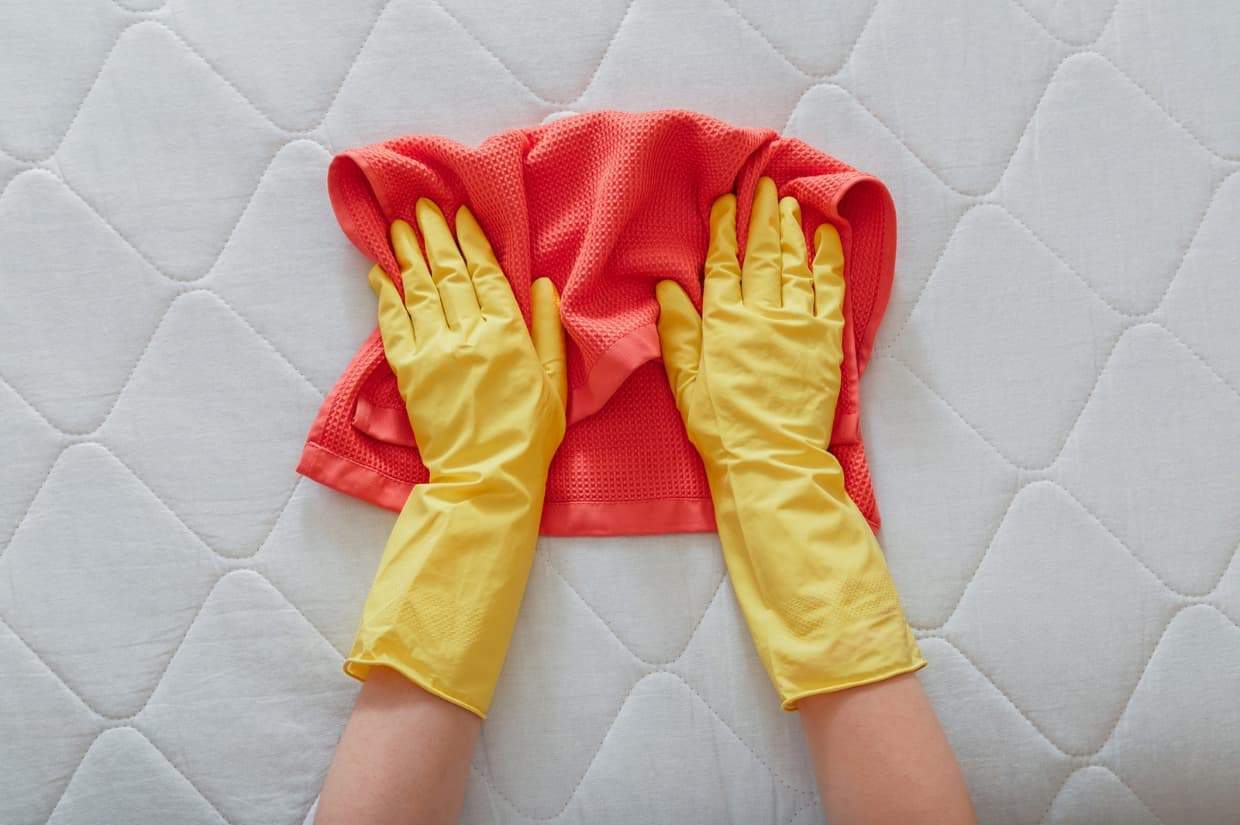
{"x": 606, "y": 205}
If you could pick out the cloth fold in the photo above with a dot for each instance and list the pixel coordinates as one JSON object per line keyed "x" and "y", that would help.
{"x": 606, "y": 205}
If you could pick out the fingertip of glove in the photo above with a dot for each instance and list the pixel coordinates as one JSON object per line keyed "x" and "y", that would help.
{"x": 723, "y": 205}
{"x": 425, "y": 206}
{"x": 826, "y": 233}
{"x": 667, "y": 290}
{"x": 400, "y": 228}
{"x": 542, "y": 289}
{"x": 376, "y": 277}
{"x": 465, "y": 218}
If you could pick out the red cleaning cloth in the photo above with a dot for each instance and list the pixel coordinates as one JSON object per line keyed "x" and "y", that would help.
{"x": 605, "y": 205}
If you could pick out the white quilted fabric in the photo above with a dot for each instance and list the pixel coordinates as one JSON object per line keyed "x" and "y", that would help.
{"x": 1054, "y": 411}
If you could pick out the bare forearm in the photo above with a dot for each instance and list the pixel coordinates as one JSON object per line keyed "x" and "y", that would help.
{"x": 403, "y": 758}
{"x": 881, "y": 757}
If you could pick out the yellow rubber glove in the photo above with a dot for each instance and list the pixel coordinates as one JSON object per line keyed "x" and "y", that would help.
{"x": 756, "y": 379}
{"x": 487, "y": 408}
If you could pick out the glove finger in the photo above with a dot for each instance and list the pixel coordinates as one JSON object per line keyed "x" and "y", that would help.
{"x": 723, "y": 271}
{"x": 828, "y": 273}
{"x": 680, "y": 336}
{"x": 395, "y": 326}
{"x": 490, "y": 285}
{"x": 798, "y": 282}
{"x": 548, "y": 335}
{"x": 760, "y": 274}
{"x": 829, "y": 283}
{"x": 451, "y": 276}
{"x": 421, "y": 297}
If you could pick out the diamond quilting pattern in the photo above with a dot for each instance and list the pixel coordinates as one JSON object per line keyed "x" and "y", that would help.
{"x": 1201, "y": 305}
{"x": 322, "y": 554}
{"x": 1095, "y": 796}
{"x": 827, "y": 115}
{"x": 209, "y": 378}
{"x": 50, "y": 53}
{"x": 622, "y": 571}
{"x": 1043, "y": 347}
{"x": 318, "y": 44}
{"x": 79, "y": 605}
{"x": 143, "y": 135}
{"x": 1228, "y": 591}
{"x": 1003, "y": 625}
{"x": 1078, "y": 170}
{"x": 33, "y": 698}
{"x": 288, "y": 678}
{"x": 384, "y": 94}
{"x": 100, "y": 330}
{"x": 938, "y": 534}
{"x": 539, "y": 651}
{"x": 1202, "y": 649}
{"x": 937, "y": 98}
{"x": 123, "y": 770}
{"x": 1075, "y": 23}
{"x": 28, "y": 446}
{"x": 281, "y": 276}
{"x": 817, "y": 40}
{"x": 1182, "y": 57}
{"x": 1174, "y": 459}
{"x": 633, "y": 74}
{"x": 536, "y": 48}
{"x": 1015, "y": 788}
{"x": 1061, "y": 170}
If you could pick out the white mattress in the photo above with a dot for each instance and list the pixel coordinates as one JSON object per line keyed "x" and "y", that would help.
{"x": 1053, "y": 413}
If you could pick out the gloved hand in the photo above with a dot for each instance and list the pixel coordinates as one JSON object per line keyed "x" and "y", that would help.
{"x": 487, "y": 408}
{"x": 756, "y": 379}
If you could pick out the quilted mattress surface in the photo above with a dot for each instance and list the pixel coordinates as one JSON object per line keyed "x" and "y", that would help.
{"x": 1054, "y": 406}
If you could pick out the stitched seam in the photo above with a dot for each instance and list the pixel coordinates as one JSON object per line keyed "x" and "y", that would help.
{"x": 1150, "y": 659}
{"x": 1192, "y": 598}
{"x": 1230, "y": 157}
{"x": 793, "y": 64}
{"x": 290, "y": 130}
{"x": 925, "y": 284}
{"x": 127, "y": 10}
{"x": 78, "y": 766}
{"x": 1086, "y": 756}
{"x": 245, "y": 210}
{"x": 1175, "y": 271}
{"x": 985, "y": 675}
{"x": 21, "y": 518}
{"x": 227, "y": 242}
{"x": 624, "y": 700}
{"x": 93, "y": 431}
{"x": 540, "y": 98}
{"x": 158, "y": 499}
{"x": 516, "y": 808}
{"x": 865, "y": 27}
{"x": 176, "y": 651}
{"x": 1118, "y": 778}
{"x": 1172, "y": 591}
{"x": 981, "y": 558}
{"x": 648, "y": 662}
{"x": 331, "y": 103}
{"x": 1072, "y": 44}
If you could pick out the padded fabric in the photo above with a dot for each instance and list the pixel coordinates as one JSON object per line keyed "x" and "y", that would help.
{"x": 605, "y": 205}
{"x": 1053, "y": 407}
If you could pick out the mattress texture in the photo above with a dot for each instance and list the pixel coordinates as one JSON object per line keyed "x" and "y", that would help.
{"x": 1054, "y": 405}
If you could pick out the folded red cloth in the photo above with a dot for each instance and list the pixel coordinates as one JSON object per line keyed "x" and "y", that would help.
{"x": 606, "y": 205}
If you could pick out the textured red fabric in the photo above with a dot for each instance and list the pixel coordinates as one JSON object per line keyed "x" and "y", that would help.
{"x": 605, "y": 205}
